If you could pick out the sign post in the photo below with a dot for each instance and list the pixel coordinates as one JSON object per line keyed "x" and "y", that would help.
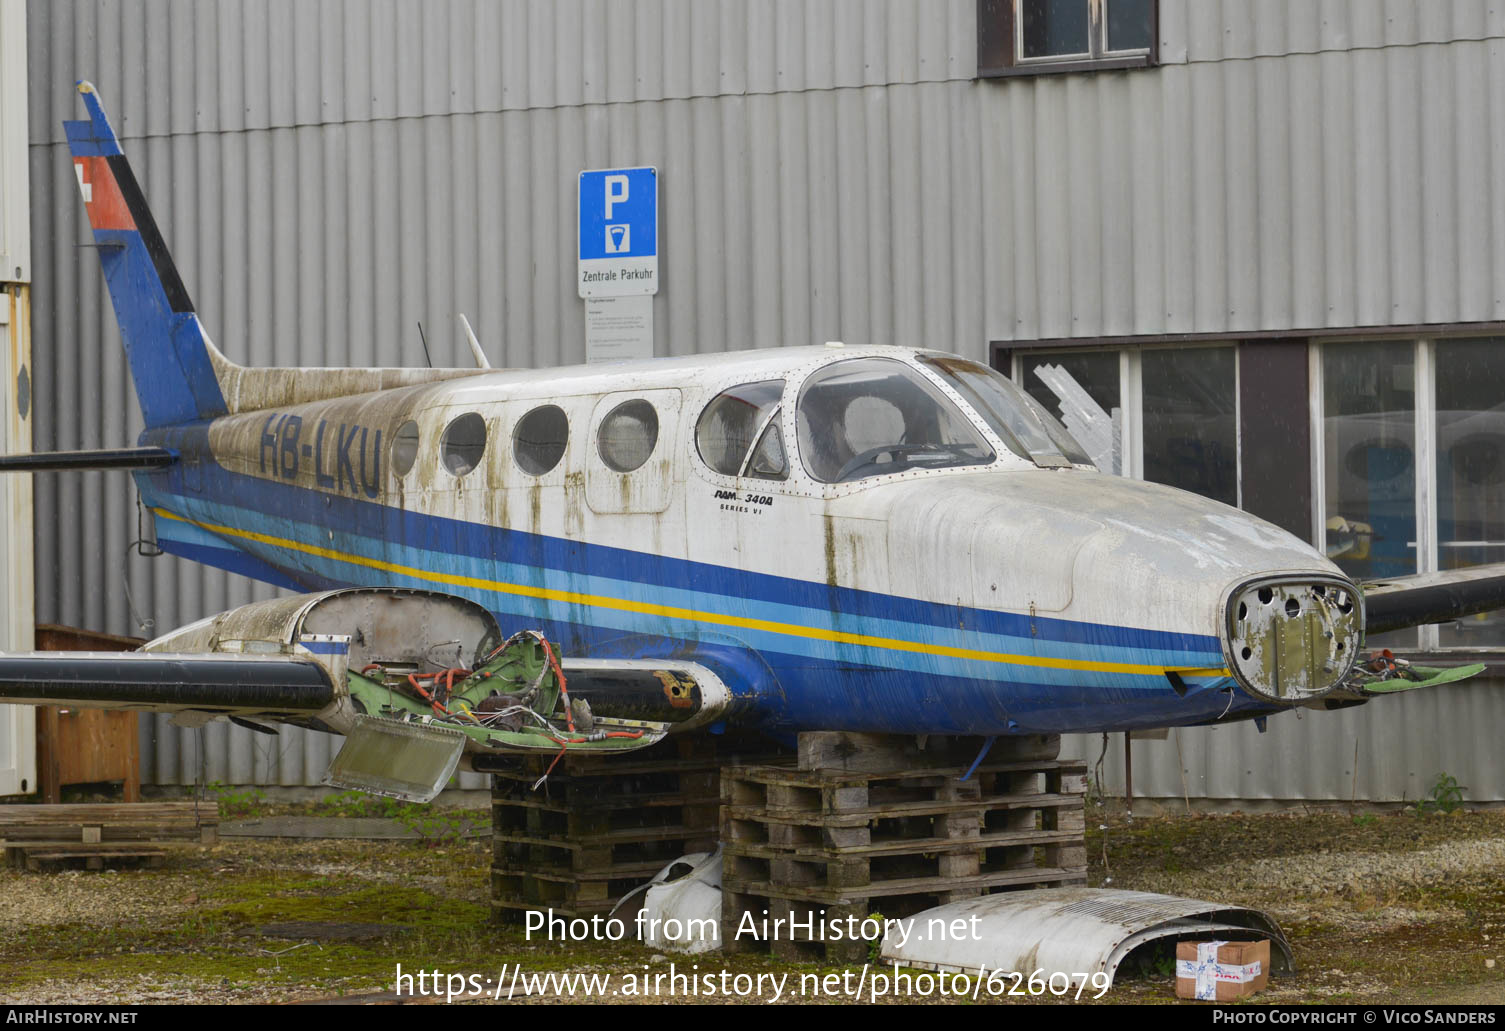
{"x": 618, "y": 248}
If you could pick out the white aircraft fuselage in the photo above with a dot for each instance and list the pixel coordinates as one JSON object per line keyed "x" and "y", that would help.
{"x": 990, "y": 598}
{"x": 850, "y": 538}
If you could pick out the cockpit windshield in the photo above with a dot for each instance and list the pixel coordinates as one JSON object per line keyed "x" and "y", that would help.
{"x": 1028, "y": 429}
{"x": 873, "y": 416}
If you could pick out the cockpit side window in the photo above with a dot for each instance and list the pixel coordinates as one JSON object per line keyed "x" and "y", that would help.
{"x": 768, "y": 460}
{"x": 732, "y": 422}
{"x": 873, "y": 416}
{"x": 1027, "y": 429}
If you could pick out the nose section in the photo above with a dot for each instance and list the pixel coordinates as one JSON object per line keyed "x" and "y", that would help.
{"x": 1293, "y": 639}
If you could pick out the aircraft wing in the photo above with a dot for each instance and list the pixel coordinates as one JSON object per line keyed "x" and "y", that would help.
{"x": 1407, "y": 601}
{"x": 270, "y": 686}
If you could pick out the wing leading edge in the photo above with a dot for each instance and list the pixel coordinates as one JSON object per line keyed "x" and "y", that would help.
{"x": 1408, "y": 601}
{"x": 221, "y": 684}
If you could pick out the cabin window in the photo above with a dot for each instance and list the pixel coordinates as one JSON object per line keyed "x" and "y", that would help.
{"x": 539, "y": 440}
{"x": 404, "y": 448}
{"x": 768, "y": 460}
{"x": 628, "y": 436}
{"x": 873, "y": 416}
{"x": 463, "y": 443}
{"x": 732, "y": 423}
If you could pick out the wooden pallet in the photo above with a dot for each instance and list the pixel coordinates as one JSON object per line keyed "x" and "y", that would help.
{"x": 600, "y": 826}
{"x": 828, "y": 844}
{"x": 47, "y": 858}
{"x": 38, "y": 837}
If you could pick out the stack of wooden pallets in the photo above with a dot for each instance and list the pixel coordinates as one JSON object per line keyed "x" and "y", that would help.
{"x": 599, "y": 826}
{"x": 43, "y": 837}
{"x": 824, "y": 844}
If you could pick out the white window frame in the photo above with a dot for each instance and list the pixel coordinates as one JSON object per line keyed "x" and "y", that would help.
{"x": 1097, "y": 40}
{"x": 1428, "y": 544}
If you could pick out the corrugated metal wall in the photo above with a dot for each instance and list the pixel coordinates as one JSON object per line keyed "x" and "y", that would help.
{"x": 1292, "y": 165}
{"x": 1403, "y": 744}
{"x": 17, "y": 722}
{"x": 330, "y": 173}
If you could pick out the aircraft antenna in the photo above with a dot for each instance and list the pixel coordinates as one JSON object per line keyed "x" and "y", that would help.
{"x": 475, "y": 345}
{"x": 425, "y": 341}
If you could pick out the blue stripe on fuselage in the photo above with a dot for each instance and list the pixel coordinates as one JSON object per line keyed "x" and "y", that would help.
{"x": 872, "y": 688}
{"x": 279, "y": 505}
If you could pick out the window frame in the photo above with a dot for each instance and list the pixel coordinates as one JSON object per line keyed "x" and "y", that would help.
{"x": 1427, "y": 486}
{"x": 514, "y": 451}
{"x": 1131, "y": 397}
{"x": 600, "y": 435}
{"x": 444, "y": 448}
{"x": 1000, "y": 44}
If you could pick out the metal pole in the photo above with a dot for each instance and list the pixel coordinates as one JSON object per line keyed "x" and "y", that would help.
{"x": 1128, "y": 775}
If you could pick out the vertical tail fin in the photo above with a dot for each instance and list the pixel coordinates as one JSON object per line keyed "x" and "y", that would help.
{"x": 166, "y": 346}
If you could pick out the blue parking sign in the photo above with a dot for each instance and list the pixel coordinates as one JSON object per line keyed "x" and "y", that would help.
{"x": 618, "y": 218}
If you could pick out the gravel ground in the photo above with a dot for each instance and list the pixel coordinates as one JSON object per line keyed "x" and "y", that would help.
{"x": 1390, "y": 908}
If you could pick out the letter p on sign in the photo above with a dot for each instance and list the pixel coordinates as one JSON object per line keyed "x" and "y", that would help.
{"x": 616, "y": 192}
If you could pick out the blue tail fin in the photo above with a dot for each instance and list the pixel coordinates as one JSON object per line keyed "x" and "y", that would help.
{"x": 164, "y": 342}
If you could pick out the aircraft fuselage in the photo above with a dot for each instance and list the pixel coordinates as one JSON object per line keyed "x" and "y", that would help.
{"x": 990, "y": 598}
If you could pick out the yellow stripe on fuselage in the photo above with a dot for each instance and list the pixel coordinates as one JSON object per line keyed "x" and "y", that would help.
{"x": 674, "y": 612}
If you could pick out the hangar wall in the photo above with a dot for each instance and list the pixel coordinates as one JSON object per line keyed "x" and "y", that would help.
{"x": 1290, "y": 165}
{"x": 18, "y": 772}
{"x": 330, "y": 173}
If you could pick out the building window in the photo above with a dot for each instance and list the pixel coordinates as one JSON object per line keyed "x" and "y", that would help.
{"x": 1168, "y": 415}
{"x": 1411, "y": 468}
{"x": 1031, "y": 37}
{"x": 1470, "y": 465}
{"x": 1189, "y": 413}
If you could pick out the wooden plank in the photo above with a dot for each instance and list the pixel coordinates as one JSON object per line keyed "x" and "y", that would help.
{"x": 854, "y": 752}
{"x": 106, "y": 812}
{"x": 906, "y": 847}
{"x": 904, "y": 886}
{"x": 820, "y": 778}
{"x": 623, "y": 836}
{"x": 610, "y": 805}
{"x": 856, "y": 818}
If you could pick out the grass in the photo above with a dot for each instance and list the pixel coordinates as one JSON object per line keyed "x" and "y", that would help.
{"x": 432, "y": 902}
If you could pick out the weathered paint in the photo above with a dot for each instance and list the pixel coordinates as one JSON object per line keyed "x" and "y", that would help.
{"x": 919, "y": 601}
{"x": 1071, "y": 931}
{"x": 995, "y": 598}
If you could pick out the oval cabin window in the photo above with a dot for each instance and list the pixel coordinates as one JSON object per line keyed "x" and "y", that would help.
{"x": 463, "y": 443}
{"x": 405, "y": 448}
{"x": 627, "y": 436}
{"x": 539, "y": 440}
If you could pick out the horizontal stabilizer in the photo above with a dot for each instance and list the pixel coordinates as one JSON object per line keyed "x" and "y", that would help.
{"x": 1432, "y": 597}
{"x": 105, "y": 458}
{"x": 268, "y": 685}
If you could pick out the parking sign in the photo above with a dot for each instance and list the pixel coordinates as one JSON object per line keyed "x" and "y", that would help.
{"x": 618, "y": 218}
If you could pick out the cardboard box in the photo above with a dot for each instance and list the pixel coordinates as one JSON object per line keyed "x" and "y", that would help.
{"x": 1221, "y": 971}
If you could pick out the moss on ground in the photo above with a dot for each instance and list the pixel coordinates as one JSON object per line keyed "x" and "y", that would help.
{"x": 1366, "y": 940}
